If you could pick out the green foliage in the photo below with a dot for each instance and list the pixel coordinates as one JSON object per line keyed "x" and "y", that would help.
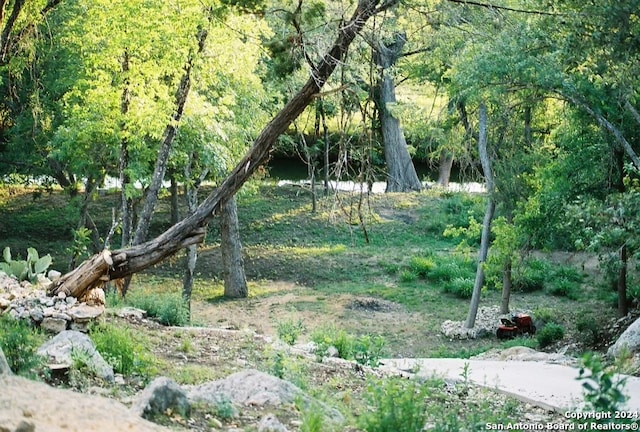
{"x": 460, "y": 287}
{"x": 602, "y": 390}
{"x": 364, "y": 349}
{"x": 422, "y": 265}
{"x": 29, "y": 269}
{"x": 19, "y": 342}
{"x": 313, "y": 421}
{"x": 168, "y": 308}
{"x": 284, "y": 367}
{"x": 590, "y": 331}
{"x": 124, "y": 352}
{"x": 449, "y": 267}
{"x": 223, "y": 409}
{"x": 549, "y": 334}
{"x": 395, "y": 405}
{"x": 408, "y": 276}
{"x": 528, "y": 342}
{"x": 532, "y": 276}
{"x": 545, "y": 314}
{"x": 564, "y": 288}
{"x": 289, "y": 330}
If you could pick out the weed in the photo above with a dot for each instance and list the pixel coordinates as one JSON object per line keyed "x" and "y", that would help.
{"x": 396, "y": 405}
{"x": 289, "y": 330}
{"x": 564, "y": 287}
{"x": 223, "y": 409}
{"x": 364, "y": 349}
{"x": 602, "y": 391}
{"x": 312, "y": 421}
{"x": 19, "y": 342}
{"x": 121, "y": 350}
{"x": 532, "y": 276}
{"x": 367, "y": 350}
{"x": 422, "y": 265}
{"x": 550, "y": 333}
{"x": 460, "y": 287}
{"x": 590, "y": 332}
{"x": 408, "y": 276}
{"x": 168, "y": 308}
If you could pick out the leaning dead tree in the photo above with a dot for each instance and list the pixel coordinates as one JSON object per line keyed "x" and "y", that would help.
{"x": 110, "y": 265}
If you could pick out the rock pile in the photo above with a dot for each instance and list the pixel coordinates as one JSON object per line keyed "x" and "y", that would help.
{"x": 487, "y": 322}
{"x": 55, "y": 314}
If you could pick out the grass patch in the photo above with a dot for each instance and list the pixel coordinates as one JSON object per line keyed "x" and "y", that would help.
{"x": 19, "y": 342}
{"x": 168, "y": 308}
{"x": 125, "y": 353}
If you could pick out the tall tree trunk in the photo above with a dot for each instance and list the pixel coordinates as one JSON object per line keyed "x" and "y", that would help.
{"x": 151, "y": 196}
{"x": 175, "y": 210}
{"x": 488, "y": 218}
{"x": 191, "y": 195}
{"x": 445, "y": 164}
{"x": 191, "y": 230}
{"x": 123, "y": 168}
{"x": 235, "y": 281}
{"x": 401, "y": 174}
{"x": 623, "y": 307}
{"x": 507, "y": 284}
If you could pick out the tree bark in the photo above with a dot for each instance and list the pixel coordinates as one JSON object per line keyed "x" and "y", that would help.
{"x": 507, "y": 284}
{"x": 623, "y": 307}
{"x": 401, "y": 174}
{"x": 445, "y": 164}
{"x": 191, "y": 230}
{"x": 125, "y": 179}
{"x": 151, "y": 196}
{"x": 488, "y": 218}
{"x": 235, "y": 281}
{"x": 175, "y": 210}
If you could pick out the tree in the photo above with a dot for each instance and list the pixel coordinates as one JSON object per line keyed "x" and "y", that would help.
{"x": 401, "y": 174}
{"x": 235, "y": 281}
{"x": 191, "y": 230}
{"x": 488, "y": 217}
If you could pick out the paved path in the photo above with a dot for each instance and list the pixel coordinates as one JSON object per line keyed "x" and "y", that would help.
{"x": 549, "y": 386}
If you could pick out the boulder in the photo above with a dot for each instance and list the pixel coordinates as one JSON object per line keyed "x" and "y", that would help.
{"x": 4, "y": 366}
{"x": 59, "y": 350}
{"x": 629, "y": 340}
{"x": 270, "y": 423}
{"x": 254, "y": 388}
{"x": 160, "y": 395}
{"x": 54, "y": 325}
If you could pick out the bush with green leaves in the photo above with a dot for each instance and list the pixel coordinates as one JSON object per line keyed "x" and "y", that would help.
{"x": 603, "y": 391}
{"x": 125, "y": 353}
{"x": 289, "y": 330}
{"x": 366, "y": 350}
{"x": 395, "y": 405}
{"x": 550, "y": 333}
{"x": 168, "y": 308}
{"x": 19, "y": 342}
{"x": 422, "y": 265}
{"x": 531, "y": 276}
{"x": 564, "y": 288}
{"x": 28, "y": 269}
{"x": 461, "y": 287}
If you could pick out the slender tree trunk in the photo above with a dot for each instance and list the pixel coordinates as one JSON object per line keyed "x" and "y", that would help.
{"x": 125, "y": 179}
{"x": 235, "y": 281}
{"x": 488, "y": 218}
{"x": 623, "y": 307}
{"x": 507, "y": 284}
{"x": 151, "y": 196}
{"x": 175, "y": 210}
{"x": 401, "y": 174}
{"x": 445, "y": 164}
{"x": 5, "y": 36}
{"x": 191, "y": 230}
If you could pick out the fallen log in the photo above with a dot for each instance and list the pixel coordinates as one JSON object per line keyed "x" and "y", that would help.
{"x": 191, "y": 230}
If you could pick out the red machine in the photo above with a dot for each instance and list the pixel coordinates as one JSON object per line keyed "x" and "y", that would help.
{"x": 518, "y": 325}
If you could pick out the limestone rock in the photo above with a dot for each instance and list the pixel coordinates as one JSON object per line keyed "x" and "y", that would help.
{"x": 629, "y": 340}
{"x": 83, "y": 313}
{"x": 160, "y": 395}
{"x": 94, "y": 297}
{"x": 255, "y": 388}
{"x": 4, "y": 366}
{"x": 58, "y": 350}
{"x": 270, "y": 423}
{"x": 54, "y": 325}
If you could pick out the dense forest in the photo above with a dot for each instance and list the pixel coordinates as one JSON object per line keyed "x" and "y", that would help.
{"x": 540, "y": 98}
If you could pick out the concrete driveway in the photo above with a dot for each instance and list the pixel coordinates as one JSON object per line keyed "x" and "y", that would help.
{"x": 550, "y": 386}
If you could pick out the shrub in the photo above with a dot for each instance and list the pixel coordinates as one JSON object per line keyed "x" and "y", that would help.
{"x": 545, "y": 315}
{"x": 564, "y": 288}
{"x": 367, "y": 350}
{"x": 19, "y": 342}
{"x": 532, "y": 276}
{"x": 549, "y": 334}
{"x": 602, "y": 391}
{"x": 396, "y": 405}
{"x": 364, "y": 349}
{"x": 168, "y": 308}
{"x": 422, "y": 265}
{"x": 289, "y": 330}
{"x": 460, "y": 287}
{"x": 590, "y": 331}
{"x": 408, "y": 276}
{"x": 121, "y": 350}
